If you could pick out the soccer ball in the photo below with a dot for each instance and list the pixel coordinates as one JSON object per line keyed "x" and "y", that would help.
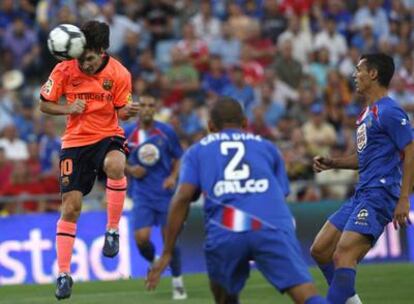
{"x": 66, "y": 41}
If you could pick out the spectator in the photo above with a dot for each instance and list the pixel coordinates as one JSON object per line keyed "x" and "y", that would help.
{"x": 329, "y": 38}
{"x": 239, "y": 89}
{"x": 288, "y": 68}
{"x": 319, "y": 67}
{"x": 215, "y": 79}
{"x": 252, "y": 70}
{"x": 257, "y": 124}
{"x": 6, "y": 168}
{"x": 365, "y": 40}
{"x": 49, "y": 146}
{"x": 228, "y": 47}
{"x": 239, "y": 22}
{"x": 319, "y": 135}
{"x": 189, "y": 121}
{"x": 261, "y": 49}
{"x": 15, "y": 148}
{"x": 23, "y": 45}
{"x": 272, "y": 109}
{"x": 206, "y": 26}
{"x": 119, "y": 26}
{"x": 373, "y": 10}
{"x": 130, "y": 52}
{"x": 196, "y": 49}
{"x": 301, "y": 38}
{"x": 158, "y": 18}
{"x": 21, "y": 184}
{"x": 180, "y": 79}
{"x": 273, "y": 22}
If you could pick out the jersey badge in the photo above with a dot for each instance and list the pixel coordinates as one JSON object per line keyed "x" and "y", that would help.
{"x": 47, "y": 87}
{"x": 148, "y": 154}
{"x": 107, "y": 84}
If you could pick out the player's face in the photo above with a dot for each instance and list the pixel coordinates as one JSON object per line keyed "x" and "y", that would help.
{"x": 361, "y": 77}
{"x": 146, "y": 109}
{"x": 90, "y": 61}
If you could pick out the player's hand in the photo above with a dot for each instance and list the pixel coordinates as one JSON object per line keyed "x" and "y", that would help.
{"x": 132, "y": 109}
{"x": 169, "y": 182}
{"x": 77, "y": 107}
{"x": 321, "y": 163}
{"x": 402, "y": 213}
{"x": 153, "y": 277}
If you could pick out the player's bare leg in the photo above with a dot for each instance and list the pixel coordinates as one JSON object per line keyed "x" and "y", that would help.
{"x": 178, "y": 289}
{"x": 145, "y": 246}
{"x": 323, "y": 248}
{"x": 65, "y": 238}
{"x": 221, "y": 296}
{"x": 351, "y": 248}
{"x": 305, "y": 294}
{"x": 114, "y": 167}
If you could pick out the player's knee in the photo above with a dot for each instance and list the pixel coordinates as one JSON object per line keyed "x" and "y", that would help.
{"x": 71, "y": 209}
{"x": 143, "y": 244}
{"x": 343, "y": 256}
{"x": 318, "y": 253}
{"x": 115, "y": 169}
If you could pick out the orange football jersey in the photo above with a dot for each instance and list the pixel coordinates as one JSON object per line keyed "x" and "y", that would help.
{"x": 103, "y": 92}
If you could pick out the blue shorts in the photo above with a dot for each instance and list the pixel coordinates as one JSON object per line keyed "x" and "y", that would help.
{"x": 277, "y": 255}
{"x": 145, "y": 216}
{"x": 367, "y": 212}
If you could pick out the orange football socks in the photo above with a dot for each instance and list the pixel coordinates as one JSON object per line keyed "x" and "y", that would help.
{"x": 65, "y": 238}
{"x": 115, "y": 196}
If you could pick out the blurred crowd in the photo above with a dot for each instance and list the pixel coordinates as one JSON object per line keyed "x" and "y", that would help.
{"x": 288, "y": 62}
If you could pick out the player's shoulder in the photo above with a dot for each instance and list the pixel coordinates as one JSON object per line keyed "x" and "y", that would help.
{"x": 117, "y": 67}
{"x": 388, "y": 105}
{"x": 65, "y": 67}
{"x": 163, "y": 126}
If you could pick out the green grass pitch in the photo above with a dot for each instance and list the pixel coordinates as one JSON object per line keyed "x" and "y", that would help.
{"x": 379, "y": 284}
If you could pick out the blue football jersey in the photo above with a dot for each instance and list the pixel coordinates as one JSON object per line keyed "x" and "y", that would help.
{"x": 243, "y": 179}
{"x": 383, "y": 131}
{"x": 154, "y": 149}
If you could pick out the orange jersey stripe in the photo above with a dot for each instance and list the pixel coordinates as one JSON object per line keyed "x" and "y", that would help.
{"x": 103, "y": 92}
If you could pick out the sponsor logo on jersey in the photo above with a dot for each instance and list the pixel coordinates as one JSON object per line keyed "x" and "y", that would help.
{"x": 236, "y": 186}
{"x": 362, "y": 217}
{"x": 361, "y": 137}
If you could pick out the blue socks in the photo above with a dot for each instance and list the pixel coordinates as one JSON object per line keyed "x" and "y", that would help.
{"x": 316, "y": 300}
{"x": 342, "y": 286}
{"x": 147, "y": 250}
{"x": 328, "y": 271}
{"x": 175, "y": 263}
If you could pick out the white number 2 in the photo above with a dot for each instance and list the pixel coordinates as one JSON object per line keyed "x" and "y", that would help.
{"x": 230, "y": 172}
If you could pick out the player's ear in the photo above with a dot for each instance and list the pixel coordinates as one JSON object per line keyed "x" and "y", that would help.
{"x": 244, "y": 123}
{"x": 373, "y": 73}
{"x": 211, "y": 127}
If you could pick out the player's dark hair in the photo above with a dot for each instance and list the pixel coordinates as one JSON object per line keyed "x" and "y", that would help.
{"x": 96, "y": 34}
{"x": 384, "y": 64}
{"x": 226, "y": 111}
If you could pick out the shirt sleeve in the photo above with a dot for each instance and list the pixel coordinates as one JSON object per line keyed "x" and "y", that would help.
{"x": 133, "y": 157}
{"x": 123, "y": 90}
{"x": 280, "y": 171}
{"x": 174, "y": 142}
{"x": 54, "y": 87}
{"x": 189, "y": 171}
{"x": 396, "y": 124}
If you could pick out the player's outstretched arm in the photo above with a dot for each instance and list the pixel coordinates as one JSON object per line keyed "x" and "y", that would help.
{"x": 77, "y": 107}
{"x": 322, "y": 163}
{"x": 402, "y": 209}
{"x": 177, "y": 214}
{"x": 128, "y": 111}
